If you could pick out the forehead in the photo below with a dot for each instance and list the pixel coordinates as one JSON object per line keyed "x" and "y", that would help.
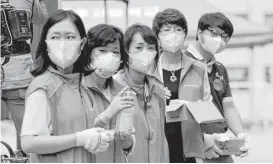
{"x": 64, "y": 26}
{"x": 217, "y": 29}
{"x": 170, "y": 26}
{"x": 137, "y": 38}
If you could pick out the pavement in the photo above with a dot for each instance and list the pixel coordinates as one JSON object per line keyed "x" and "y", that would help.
{"x": 261, "y": 143}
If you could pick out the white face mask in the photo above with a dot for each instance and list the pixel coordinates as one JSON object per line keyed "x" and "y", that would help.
{"x": 172, "y": 42}
{"x": 106, "y": 64}
{"x": 212, "y": 44}
{"x": 141, "y": 61}
{"x": 63, "y": 53}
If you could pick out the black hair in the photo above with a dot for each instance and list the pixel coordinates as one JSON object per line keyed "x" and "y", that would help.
{"x": 101, "y": 35}
{"x": 148, "y": 36}
{"x": 42, "y": 60}
{"x": 216, "y": 19}
{"x": 169, "y": 16}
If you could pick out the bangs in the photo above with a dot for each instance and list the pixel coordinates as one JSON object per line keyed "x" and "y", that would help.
{"x": 106, "y": 37}
{"x": 147, "y": 35}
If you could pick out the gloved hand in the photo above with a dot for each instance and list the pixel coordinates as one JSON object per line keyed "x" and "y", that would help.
{"x": 123, "y": 100}
{"x": 211, "y": 150}
{"x": 245, "y": 148}
{"x": 167, "y": 93}
{"x": 102, "y": 142}
{"x": 83, "y": 136}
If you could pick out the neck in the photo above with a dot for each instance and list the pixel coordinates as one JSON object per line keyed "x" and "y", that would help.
{"x": 137, "y": 77}
{"x": 99, "y": 81}
{"x": 171, "y": 58}
{"x": 207, "y": 56}
{"x": 68, "y": 70}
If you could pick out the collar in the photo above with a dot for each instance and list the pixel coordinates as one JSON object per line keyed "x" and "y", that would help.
{"x": 89, "y": 82}
{"x": 199, "y": 57}
{"x": 71, "y": 78}
{"x": 186, "y": 64}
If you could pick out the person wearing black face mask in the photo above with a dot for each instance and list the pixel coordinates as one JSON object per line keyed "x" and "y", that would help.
{"x": 214, "y": 32}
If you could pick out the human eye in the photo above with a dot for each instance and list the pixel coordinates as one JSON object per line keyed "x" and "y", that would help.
{"x": 71, "y": 37}
{"x": 116, "y": 52}
{"x": 151, "y": 48}
{"x": 55, "y": 37}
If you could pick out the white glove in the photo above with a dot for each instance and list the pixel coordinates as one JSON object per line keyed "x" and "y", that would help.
{"x": 83, "y": 136}
{"x": 124, "y": 99}
{"x": 101, "y": 144}
{"x": 211, "y": 150}
{"x": 245, "y": 148}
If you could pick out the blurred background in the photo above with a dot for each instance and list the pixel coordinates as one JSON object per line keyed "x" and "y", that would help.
{"x": 249, "y": 57}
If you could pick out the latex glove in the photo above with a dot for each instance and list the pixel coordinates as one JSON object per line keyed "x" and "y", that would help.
{"x": 124, "y": 99}
{"x": 84, "y": 136}
{"x": 211, "y": 150}
{"x": 167, "y": 93}
{"x": 245, "y": 148}
{"x": 101, "y": 144}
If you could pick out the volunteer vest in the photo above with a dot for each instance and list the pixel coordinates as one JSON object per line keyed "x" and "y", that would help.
{"x": 71, "y": 112}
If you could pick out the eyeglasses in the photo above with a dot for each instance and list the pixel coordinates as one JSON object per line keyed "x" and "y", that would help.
{"x": 177, "y": 30}
{"x": 223, "y": 36}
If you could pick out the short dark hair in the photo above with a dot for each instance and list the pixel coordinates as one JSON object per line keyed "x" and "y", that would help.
{"x": 148, "y": 36}
{"x": 169, "y": 16}
{"x": 101, "y": 35}
{"x": 42, "y": 60}
{"x": 216, "y": 19}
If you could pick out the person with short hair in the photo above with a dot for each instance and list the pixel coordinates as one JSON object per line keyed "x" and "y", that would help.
{"x": 213, "y": 34}
{"x": 185, "y": 79}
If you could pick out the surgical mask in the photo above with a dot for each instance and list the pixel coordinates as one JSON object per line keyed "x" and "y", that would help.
{"x": 63, "y": 53}
{"x": 105, "y": 65}
{"x": 172, "y": 42}
{"x": 211, "y": 44}
{"x": 141, "y": 61}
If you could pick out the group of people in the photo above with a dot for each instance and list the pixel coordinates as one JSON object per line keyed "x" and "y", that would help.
{"x": 83, "y": 82}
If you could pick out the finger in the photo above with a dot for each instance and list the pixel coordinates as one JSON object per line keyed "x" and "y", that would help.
{"x": 217, "y": 150}
{"x": 167, "y": 97}
{"x": 244, "y": 155}
{"x": 123, "y": 90}
{"x": 214, "y": 155}
{"x": 127, "y": 98}
{"x": 245, "y": 148}
{"x": 208, "y": 156}
{"x": 98, "y": 129}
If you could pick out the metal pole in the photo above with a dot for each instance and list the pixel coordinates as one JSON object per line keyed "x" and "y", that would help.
{"x": 127, "y": 17}
{"x": 105, "y": 12}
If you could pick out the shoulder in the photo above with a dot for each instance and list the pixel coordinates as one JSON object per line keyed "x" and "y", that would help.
{"x": 221, "y": 67}
{"x": 46, "y": 81}
{"x": 158, "y": 86}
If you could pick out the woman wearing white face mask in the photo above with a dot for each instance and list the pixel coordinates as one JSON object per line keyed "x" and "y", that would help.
{"x": 184, "y": 79}
{"x": 58, "y": 120}
{"x": 141, "y": 55}
{"x": 104, "y": 58}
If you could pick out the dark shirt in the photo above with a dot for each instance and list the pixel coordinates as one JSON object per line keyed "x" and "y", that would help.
{"x": 173, "y": 130}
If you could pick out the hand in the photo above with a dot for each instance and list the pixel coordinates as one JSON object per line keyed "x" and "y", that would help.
{"x": 167, "y": 93}
{"x": 121, "y": 101}
{"x": 84, "y": 136}
{"x": 245, "y": 148}
{"x": 211, "y": 150}
{"x": 102, "y": 143}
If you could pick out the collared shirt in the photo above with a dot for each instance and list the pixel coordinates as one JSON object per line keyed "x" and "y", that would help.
{"x": 198, "y": 56}
{"x": 220, "y": 89}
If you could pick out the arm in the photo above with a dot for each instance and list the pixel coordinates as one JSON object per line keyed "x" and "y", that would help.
{"x": 35, "y": 134}
{"x": 232, "y": 115}
{"x": 48, "y": 144}
{"x": 230, "y": 111}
